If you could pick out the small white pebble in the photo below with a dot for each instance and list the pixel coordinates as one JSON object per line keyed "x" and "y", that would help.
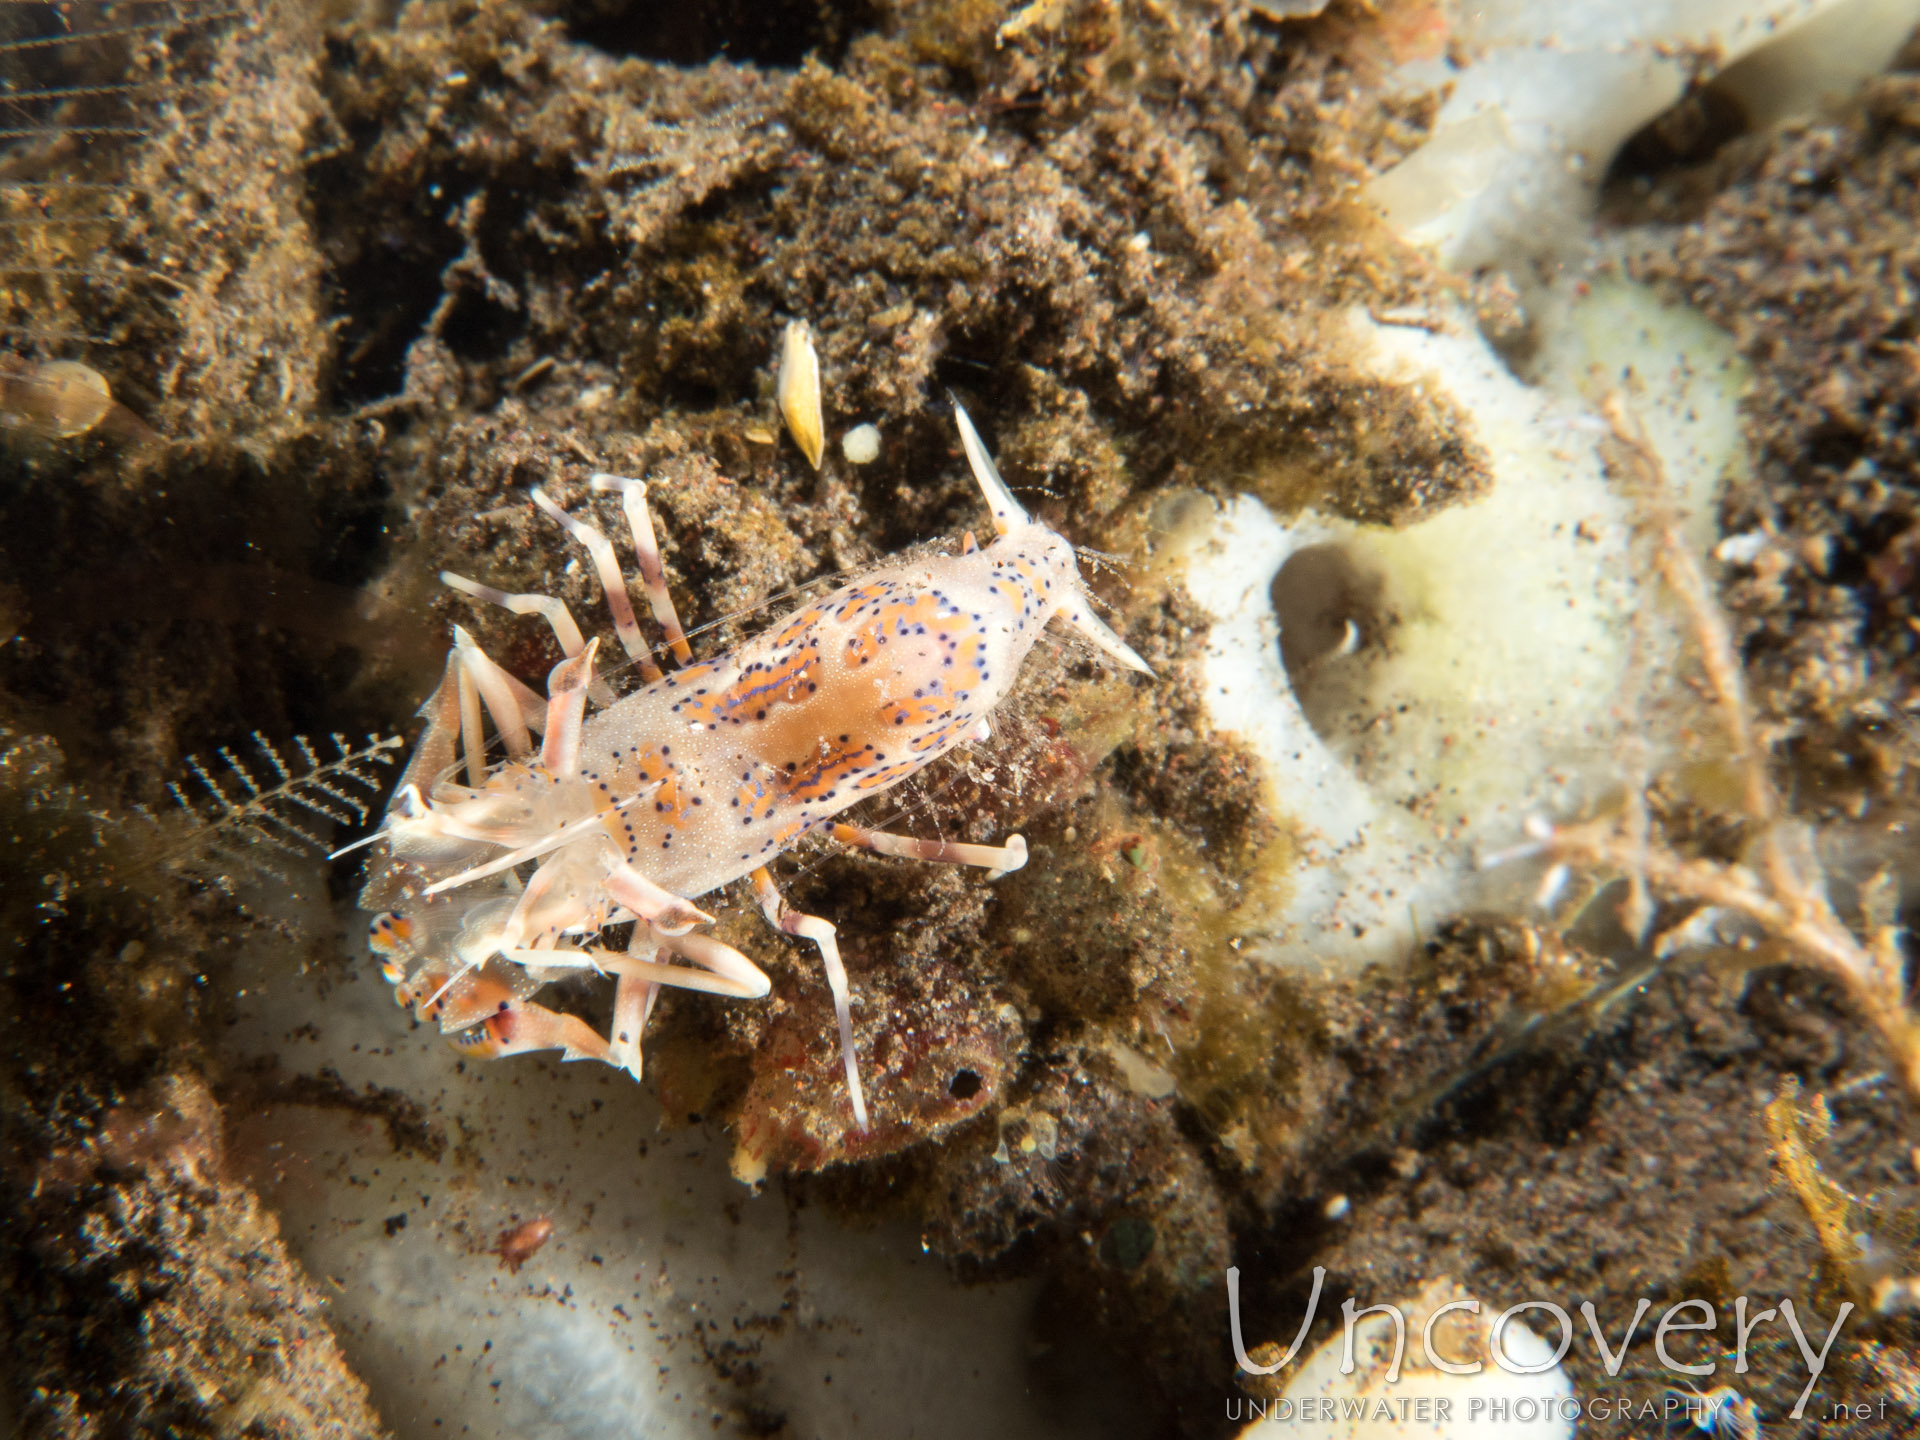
{"x": 1741, "y": 549}
{"x": 1141, "y": 1075}
{"x": 1338, "y": 1208}
{"x": 861, "y": 445}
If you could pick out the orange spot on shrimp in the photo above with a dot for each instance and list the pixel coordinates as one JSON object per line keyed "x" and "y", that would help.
{"x": 819, "y": 776}
{"x": 490, "y": 1037}
{"x": 798, "y": 624}
{"x": 911, "y": 711}
{"x": 880, "y": 778}
{"x": 389, "y": 932}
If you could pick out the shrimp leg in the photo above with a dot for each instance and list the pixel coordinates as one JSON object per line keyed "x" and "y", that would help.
{"x": 1000, "y": 859}
{"x": 811, "y": 927}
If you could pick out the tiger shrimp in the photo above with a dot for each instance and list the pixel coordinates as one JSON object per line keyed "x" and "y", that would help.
{"x": 700, "y": 777}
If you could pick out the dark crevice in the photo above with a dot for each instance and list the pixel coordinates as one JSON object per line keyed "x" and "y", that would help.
{"x": 762, "y": 32}
{"x": 478, "y": 328}
{"x": 384, "y": 275}
{"x": 1689, "y": 131}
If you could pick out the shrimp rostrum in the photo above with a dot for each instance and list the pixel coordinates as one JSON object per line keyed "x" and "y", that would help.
{"x": 501, "y": 875}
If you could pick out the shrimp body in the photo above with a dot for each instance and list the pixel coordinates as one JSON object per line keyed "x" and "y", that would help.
{"x": 699, "y": 778}
{"x": 741, "y": 756}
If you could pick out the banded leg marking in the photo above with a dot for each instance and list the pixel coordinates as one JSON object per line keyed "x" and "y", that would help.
{"x": 999, "y": 859}
{"x": 502, "y": 696}
{"x": 646, "y": 549}
{"x": 567, "y": 690}
{"x": 811, "y": 927}
{"x": 555, "y": 612}
{"x": 600, "y": 550}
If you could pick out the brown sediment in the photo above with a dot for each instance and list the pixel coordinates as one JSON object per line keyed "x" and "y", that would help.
{"x": 156, "y": 1294}
{"x": 145, "y": 1288}
{"x": 1801, "y": 253}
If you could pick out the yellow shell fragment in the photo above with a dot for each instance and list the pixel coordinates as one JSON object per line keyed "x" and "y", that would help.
{"x": 59, "y": 399}
{"x": 799, "y": 392}
{"x": 1045, "y": 14}
{"x": 76, "y": 398}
